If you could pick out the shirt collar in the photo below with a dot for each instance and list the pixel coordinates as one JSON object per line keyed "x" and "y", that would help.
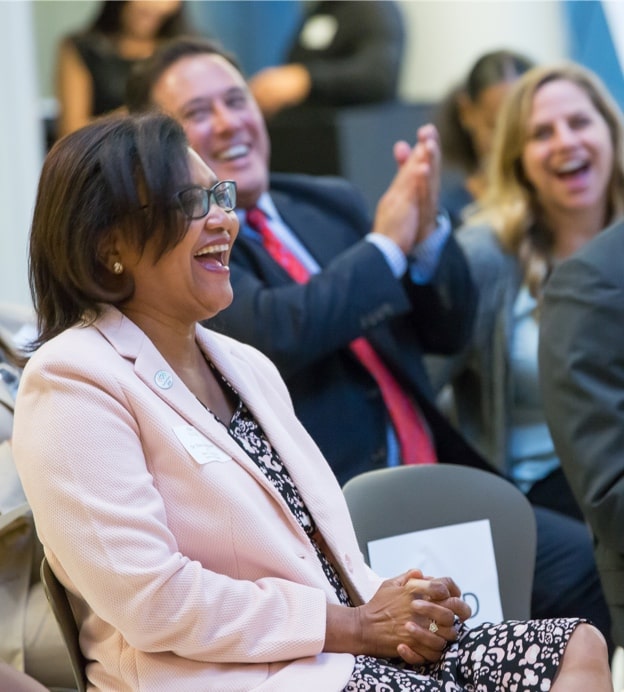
{"x": 265, "y": 204}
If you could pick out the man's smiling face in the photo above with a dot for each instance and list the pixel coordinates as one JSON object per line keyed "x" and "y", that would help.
{"x": 222, "y": 121}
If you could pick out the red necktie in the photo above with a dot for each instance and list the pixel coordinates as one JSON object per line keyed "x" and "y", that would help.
{"x": 414, "y": 440}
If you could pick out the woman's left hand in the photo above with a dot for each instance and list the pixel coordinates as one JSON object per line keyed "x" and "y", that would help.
{"x": 437, "y": 607}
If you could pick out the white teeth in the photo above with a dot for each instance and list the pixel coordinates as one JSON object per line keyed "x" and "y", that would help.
{"x": 234, "y": 152}
{"x": 213, "y": 250}
{"x": 570, "y": 166}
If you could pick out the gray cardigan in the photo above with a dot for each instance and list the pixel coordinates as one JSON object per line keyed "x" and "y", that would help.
{"x": 480, "y": 375}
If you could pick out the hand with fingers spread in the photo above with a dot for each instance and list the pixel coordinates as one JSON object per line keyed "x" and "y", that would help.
{"x": 407, "y": 211}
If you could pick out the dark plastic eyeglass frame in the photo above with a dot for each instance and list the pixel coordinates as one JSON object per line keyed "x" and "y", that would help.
{"x": 210, "y": 198}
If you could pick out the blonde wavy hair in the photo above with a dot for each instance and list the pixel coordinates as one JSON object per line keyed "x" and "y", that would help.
{"x": 510, "y": 205}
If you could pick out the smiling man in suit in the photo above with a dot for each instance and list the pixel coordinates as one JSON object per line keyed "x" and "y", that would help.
{"x": 344, "y": 305}
{"x": 398, "y": 280}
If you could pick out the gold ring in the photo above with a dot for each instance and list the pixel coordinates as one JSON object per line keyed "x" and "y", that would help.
{"x": 433, "y": 626}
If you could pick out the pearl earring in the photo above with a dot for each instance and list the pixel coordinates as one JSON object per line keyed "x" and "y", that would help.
{"x": 118, "y": 268}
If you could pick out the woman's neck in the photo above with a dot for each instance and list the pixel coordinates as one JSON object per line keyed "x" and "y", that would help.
{"x": 173, "y": 338}
{"x": 177, "y": 344}
{"x": 134, "y": 48}
{"x": 476, "y": 184}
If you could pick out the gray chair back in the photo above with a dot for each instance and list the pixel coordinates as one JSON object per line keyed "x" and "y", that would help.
{"x": 402, "y": 499}
{"x": 57, "y": 597}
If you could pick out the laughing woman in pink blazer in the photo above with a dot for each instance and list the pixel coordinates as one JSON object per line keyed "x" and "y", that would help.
{"x": 202, "y": 538}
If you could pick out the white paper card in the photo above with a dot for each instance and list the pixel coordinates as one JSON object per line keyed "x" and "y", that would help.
{"x": 198, "y": 446}
{"x": 464, "y": 552}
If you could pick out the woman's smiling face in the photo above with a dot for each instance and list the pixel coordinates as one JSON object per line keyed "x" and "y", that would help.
{"x": 568, "y": 154}
{"x": 191, "y": 281}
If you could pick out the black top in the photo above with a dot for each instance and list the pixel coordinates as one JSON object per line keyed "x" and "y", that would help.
{"x": 109, "y": 71}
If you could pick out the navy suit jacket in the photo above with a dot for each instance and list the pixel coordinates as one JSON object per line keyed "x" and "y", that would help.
{"x": 306, "y": 329}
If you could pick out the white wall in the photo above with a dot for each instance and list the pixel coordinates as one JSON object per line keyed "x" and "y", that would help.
{"x": 52, "y": 19}
{"x": 21, "y": 144}
{"x": 445, "y": 37}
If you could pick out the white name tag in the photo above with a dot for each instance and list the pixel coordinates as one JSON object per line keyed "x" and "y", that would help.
{"x": 198, "y": 446}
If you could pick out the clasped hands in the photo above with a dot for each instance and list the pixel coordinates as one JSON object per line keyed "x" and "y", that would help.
{"x": 396, "y": 620}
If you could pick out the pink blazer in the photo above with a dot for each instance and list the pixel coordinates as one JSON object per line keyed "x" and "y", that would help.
{"x": 185, "y": 567}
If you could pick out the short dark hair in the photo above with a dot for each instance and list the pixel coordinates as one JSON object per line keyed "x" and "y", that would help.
{"x": 146, "y": 73}
{"x": 119, "y": 172}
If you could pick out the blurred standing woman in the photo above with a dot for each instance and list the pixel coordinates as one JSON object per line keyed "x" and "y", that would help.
{"x": 466, "y": 122}
{"x": 202, "y": 537}
{"x": 556, "y": 180}
{"x": 93, "y": 65}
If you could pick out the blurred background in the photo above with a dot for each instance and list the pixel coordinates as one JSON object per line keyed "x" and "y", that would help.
{"x": 442, "y": 39}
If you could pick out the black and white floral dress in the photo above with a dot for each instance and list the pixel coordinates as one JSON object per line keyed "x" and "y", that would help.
{"x": 512, "y": 655}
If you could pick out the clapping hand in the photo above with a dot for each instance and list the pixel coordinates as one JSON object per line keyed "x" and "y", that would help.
{"x": 407, "y": 211}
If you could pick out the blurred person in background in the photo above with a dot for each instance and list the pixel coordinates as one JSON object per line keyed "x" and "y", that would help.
{"x": 582, "y": 381}
{"x": 557, "y": 179}
{"x": 30, "y": 639}
{"x": 345, "y": 53}
{"x": 93, "y": 64}
{"x": 466, "y": 120}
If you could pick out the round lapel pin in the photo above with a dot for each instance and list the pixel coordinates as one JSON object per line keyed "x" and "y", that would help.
{"x": 163, "y": 379}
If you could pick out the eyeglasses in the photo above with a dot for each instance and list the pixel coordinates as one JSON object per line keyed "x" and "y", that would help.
{"x": 195, "y": 201}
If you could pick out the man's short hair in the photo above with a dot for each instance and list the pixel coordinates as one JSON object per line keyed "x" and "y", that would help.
{"x": 145, "y": 74}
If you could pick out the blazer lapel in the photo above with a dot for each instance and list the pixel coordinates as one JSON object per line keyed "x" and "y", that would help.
{"x": 154, "y": 371}
{"x": 275, "y": 416}
{"x": 313, "y": 478}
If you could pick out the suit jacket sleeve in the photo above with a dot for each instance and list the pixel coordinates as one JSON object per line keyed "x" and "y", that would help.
{"x": 356, "y": 292}
{"x": 444, "y": 309}
{"x": 582, "y": 377}
{"x": 491, "y": 270}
